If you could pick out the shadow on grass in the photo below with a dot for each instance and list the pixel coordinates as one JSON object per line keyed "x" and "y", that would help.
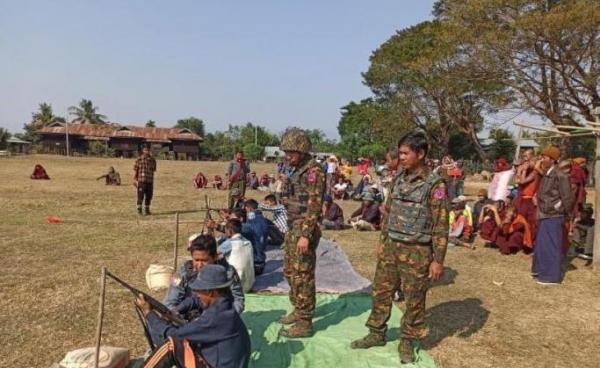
{"x": 461, "y": 318}
{"x": 334, "y": 312}
{"x": 277, "y": 353}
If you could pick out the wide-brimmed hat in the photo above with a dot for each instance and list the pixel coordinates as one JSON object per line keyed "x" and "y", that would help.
{"x": 211, "y": 277}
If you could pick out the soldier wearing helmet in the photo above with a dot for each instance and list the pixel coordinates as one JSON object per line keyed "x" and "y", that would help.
{"x": 304, "y": 191}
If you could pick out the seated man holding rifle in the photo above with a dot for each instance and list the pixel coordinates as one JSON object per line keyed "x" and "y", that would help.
{"x": 218, "y": 338}
{"x": 203, "y": 249}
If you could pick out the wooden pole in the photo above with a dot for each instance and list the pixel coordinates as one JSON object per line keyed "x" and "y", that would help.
{"x": 100, "y": 317}
{"x": 518, "y": 148}
{"x": 176, "y": 243}
{"x": 596, "y": 256}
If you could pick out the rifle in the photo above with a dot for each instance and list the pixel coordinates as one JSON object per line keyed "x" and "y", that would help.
{"x": 208, "y": 216}
{"x": 164, "y": 312}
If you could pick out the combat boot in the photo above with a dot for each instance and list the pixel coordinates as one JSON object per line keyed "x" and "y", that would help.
{"x": 139, "y": 210}
{"x": 288, "y": 319}
{"x": 407, "y": 353}
{"x": 301, "y": 328}
{"x": 147, "y": 211}
{"x": 372, "y": 339}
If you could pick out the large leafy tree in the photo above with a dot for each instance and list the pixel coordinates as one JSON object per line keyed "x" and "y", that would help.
{"x": 151, "y": 124}
{"x": 87, "y": 113}
{"x": 545, "y": 52}
{"x": 420, "y": 72}
{"x": 504, "y": 144}
{"x": 369, "y": 123}
{"x": 192, "y": 123}
{"x": 43, "y": 117}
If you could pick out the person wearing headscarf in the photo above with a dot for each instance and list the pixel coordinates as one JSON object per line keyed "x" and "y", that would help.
{"x": 333, "y": 216}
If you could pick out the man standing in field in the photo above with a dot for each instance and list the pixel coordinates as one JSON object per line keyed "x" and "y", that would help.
{"x": 413, "y": 246}
{"x": 304, "y": 191}
{"x": 237, "y": 172}
{"x": 143, "y": 179}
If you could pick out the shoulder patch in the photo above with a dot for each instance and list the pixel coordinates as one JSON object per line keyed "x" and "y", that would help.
{"x": 311, "y": 178}
{"x": 439, "y": 193}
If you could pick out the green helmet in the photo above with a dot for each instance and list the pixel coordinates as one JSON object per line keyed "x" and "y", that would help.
{"x": 295, "y": 139}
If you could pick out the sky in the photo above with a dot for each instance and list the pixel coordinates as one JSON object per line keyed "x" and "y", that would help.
{"x": 276, "y": 63}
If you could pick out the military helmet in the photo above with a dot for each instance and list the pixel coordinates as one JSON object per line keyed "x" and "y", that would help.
{"x": 295, "y": 139}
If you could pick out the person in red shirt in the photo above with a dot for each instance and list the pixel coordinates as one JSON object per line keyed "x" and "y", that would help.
{"x": 528, "y": 178}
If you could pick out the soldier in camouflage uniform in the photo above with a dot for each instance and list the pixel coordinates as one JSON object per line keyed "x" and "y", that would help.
{"x": 304, "y": 191}
{"x": 413, "y": 246}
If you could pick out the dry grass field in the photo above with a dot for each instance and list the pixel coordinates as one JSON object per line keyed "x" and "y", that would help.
{"x": 487, "y": 312}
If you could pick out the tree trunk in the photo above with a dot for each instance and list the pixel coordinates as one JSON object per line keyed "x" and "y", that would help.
{"x": 478, "y": 148}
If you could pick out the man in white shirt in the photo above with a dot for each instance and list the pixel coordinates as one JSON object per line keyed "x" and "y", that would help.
{"x": 238, "y": 252}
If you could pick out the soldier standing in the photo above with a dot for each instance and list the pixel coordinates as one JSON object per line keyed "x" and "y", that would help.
{"x": 304, "y": 191}
{"x": 237, "y": 172}
{"x": 143, "y": 179}
{"x": 413, "y": 246}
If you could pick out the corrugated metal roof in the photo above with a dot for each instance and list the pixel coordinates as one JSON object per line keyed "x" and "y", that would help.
{"x": 118, "y": 131}
{"x": 17, "y": 141}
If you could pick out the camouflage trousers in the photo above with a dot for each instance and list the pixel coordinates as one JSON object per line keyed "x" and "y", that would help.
{"x": 299, "y": 270}
{"x": 241, "y": 185}
{"x": 407, "y": 267}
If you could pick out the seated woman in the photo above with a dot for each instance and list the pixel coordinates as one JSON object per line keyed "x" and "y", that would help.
{"x": 39, "y": 173}
{"x": 333, "y": 215}
{"x": 339, "y": 189}
{"x": 489, "y": 218}
{"x": 217, "y": 182}
{"x": 458, "y": 224}
{"x": 200, "y": 181}
{"x": 112, "y": 177}
{"x": 513, "y": 233}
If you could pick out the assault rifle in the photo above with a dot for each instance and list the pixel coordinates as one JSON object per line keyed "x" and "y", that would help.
{"x": 164, "y": 312}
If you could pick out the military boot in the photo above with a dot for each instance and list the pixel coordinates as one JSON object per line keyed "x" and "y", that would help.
{"x": 407, "y": 353}
{"x": 372, "y": 339}
{"x": 147, "y": 211}
{"x": 288, "y": 319}
{"x": 139, "y": 210}
{"x": 301, "y": 328}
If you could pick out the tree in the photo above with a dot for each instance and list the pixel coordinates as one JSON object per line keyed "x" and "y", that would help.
{"x": 253, "y": 133}
{"x": 545, "y": 52}
{"x": 151, "y": 124}
{"x": 193, "y": 124}
{"x": 39, "y": 119}
{"x": 87, "y": 113}
{"x": 253, "y": 151}
{"x": 4, "y": 137}
{"x": 420, "y": 72}
{"x": 504, "y": 144}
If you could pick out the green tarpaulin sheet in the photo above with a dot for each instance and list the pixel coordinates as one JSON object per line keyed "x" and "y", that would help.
{"x": 339, "y": 319}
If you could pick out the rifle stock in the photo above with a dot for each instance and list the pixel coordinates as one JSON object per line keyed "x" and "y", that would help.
{"x": 157, "y": 306}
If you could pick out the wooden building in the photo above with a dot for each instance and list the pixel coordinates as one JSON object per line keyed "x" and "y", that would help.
{"x": 125, "y": 141}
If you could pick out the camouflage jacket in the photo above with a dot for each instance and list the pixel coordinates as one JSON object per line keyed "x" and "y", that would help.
{"x": 438, "y": 209}
{"x": 304, "y": 191}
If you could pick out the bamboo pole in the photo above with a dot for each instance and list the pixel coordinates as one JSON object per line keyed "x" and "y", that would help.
{"x": 539, "y": 128}
{"x": 176, "y": 242}
{"x": 100, "y": 317}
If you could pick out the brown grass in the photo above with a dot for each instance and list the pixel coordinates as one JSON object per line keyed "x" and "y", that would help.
{"x": 49, "y": 277}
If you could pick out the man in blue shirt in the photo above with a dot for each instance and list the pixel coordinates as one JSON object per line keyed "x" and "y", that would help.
{"x": 257, "y": 225}
{"x": 217, "y": 339}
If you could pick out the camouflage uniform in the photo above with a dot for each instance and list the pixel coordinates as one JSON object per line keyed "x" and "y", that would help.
{"x": 237, "y": 183}
{"x": 415, "y": 233}
{"x": 304, "y": 191}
